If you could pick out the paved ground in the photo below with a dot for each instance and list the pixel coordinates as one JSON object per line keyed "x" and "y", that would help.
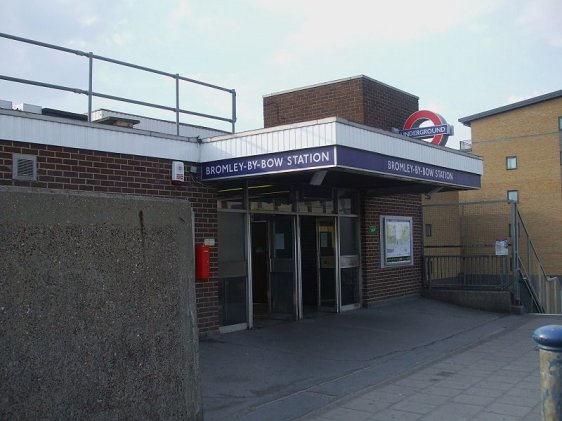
{"x": 497, "y": 379}
{"x": 415, "y": 359}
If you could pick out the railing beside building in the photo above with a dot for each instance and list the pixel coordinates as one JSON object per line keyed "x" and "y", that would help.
{"x": 461, "y": 253}
{"x": 544, "y": 291}
{"x": 468, "y": 272}
{"x": 90, "y": 93}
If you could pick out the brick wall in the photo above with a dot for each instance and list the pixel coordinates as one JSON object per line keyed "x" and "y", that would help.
{"x": 385, "y": 107}
{"x": 385, "y": 283}
{"x": 361, "y": 100}
{"x": 93, "y": 171}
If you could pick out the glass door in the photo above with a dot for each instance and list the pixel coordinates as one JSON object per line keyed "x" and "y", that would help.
{"x": 232, "y": 268}
{"x": 349, "y": 263}
{"x": 326, "y": 264}
{"x": 282, "y": 268}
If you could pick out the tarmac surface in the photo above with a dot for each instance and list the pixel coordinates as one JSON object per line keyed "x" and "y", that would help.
{"x": 416, "y": 359}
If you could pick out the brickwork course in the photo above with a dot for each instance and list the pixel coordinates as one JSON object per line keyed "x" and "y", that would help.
{"x": 382, "y": 283}
{"x": 532, "y": 134}
{"x": 359, "y": 99}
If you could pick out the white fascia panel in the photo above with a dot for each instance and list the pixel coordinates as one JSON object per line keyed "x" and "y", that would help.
{"x": 378, "y": 141}
{"x": 271, "y": 140}
{"x": 87, "y": 136}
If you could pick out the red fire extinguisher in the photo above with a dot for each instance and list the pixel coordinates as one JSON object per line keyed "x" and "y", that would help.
{"x": 202, "y": 262}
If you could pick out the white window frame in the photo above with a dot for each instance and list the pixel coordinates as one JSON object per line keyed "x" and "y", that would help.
{"x": 516, "y": 200}
{"x": 512, "y": 159}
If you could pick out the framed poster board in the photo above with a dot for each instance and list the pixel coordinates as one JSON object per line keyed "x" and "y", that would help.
{"x": 396, "y": 241}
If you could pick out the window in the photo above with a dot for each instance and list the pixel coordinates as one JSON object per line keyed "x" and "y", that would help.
{"x": 513, "y": 196}
{"x": 511, "y": 162}
{"x": 428, "y": 230}
{"x": 396, "y": 239}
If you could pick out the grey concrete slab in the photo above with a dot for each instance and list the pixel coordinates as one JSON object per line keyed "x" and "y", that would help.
{"x": 334, "y": 356}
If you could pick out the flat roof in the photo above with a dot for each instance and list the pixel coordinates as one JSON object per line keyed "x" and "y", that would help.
{"x": 339, "y": 81}
{"x": 531, "y": 101}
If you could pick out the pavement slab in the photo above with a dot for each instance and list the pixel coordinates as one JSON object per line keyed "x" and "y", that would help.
{"x": 361, "y": 361}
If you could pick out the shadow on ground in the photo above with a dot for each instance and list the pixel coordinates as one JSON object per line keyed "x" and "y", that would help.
{"x": 287, "y": 370}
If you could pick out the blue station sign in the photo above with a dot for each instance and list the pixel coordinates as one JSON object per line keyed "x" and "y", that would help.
{"x": 337, "y": 157}
{"x": 271, "y": 163}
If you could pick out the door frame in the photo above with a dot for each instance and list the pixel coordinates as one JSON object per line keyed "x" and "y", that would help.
{"x": 337, "y": 287}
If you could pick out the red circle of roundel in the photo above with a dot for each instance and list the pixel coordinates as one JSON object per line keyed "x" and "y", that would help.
{"x": 417, "y": 118}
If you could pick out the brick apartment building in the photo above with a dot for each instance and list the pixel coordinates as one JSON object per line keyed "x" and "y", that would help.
{"x": 521, "y": 147}
{"x": 318, "y": 211}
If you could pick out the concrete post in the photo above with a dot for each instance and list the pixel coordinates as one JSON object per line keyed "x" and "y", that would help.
{"x": 549, "y": 339}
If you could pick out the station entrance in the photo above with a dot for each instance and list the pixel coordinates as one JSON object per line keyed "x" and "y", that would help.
{"x": 287, "y": 265}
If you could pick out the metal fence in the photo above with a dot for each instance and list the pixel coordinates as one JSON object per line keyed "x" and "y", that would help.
{"x": 541, "y": 289}
{"x": 461, "y": 251}
{"x": 91, "y": 57}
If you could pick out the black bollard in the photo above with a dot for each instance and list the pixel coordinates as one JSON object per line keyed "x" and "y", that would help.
{"x": 549, "y": 339}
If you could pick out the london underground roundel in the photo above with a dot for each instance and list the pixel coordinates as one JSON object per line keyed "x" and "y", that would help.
{"x": 439, "y": 132}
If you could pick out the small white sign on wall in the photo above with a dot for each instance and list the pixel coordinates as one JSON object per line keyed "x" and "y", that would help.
{"x": 502, "y": 248}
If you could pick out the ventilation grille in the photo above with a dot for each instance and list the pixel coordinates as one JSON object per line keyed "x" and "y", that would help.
{"x": 25, "y": 167}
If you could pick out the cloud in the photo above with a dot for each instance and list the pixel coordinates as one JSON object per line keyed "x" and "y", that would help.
{"x": 511, "y": 99}
{"x": 177, "y": 17}
{"x": 542, "y": 18}
{"x": 323, "y": 26}
{"x": 89, "y": 20}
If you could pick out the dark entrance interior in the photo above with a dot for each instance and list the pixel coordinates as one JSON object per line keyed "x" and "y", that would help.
{"x": 318, "y": 264}
{"x": 260, "y": 272}
{"x": 274, "y": 288}
{"x": 273, "y": 267}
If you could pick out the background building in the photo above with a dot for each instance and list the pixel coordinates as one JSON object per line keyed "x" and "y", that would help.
{"x": 521, "y": 147}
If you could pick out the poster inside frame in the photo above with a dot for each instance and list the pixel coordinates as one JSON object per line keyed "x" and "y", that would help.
{"x": 397, "y": 241}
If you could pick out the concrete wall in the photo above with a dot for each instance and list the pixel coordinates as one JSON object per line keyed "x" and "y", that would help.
{"x": 97, "y": 311}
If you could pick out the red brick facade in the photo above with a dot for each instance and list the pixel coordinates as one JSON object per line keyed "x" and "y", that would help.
{"x": 361, "y": 100}
{"x": 87, "y": 170}
{"x": 383, "y": 283}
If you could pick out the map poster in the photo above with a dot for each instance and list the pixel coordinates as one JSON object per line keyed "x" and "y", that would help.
{"x": 397, "y": 241}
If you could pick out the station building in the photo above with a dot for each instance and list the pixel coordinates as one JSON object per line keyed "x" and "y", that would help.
{"x": 320, "y": 211}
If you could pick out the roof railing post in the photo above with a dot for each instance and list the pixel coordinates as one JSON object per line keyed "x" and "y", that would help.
{"x": 90, "y": 83}
{"x": 233, "y": 111}
{"x": 177, "y": 104}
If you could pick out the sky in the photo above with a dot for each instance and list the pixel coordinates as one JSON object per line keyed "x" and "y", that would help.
{"x": 458, "y": 57}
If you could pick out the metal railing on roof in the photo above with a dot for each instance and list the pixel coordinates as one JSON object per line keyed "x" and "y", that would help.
{"x": 91, "y": 93}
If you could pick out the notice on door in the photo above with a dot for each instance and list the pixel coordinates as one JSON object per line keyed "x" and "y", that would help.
{"x": 323, "y": 239}
{"x": 279, "y": 241}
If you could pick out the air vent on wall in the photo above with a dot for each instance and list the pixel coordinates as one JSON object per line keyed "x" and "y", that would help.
{"x": 24, "y": 167}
